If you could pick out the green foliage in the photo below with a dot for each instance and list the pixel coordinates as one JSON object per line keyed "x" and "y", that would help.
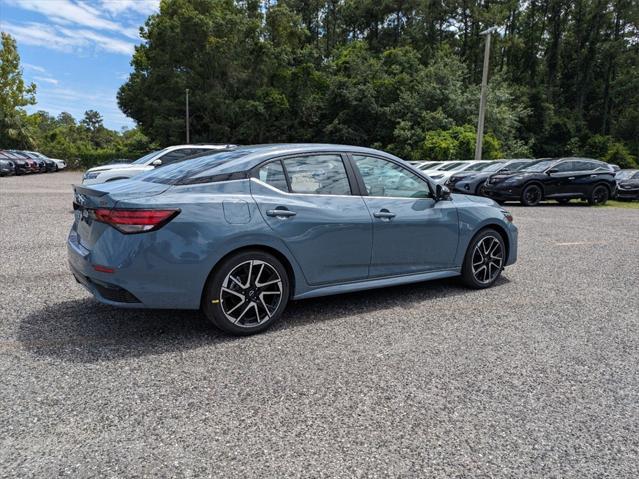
{"x": 458, "y": 143}
{"x": 391, "y": 75}
{"x": 618, "y": 154}
{"x": 14, "y": 95}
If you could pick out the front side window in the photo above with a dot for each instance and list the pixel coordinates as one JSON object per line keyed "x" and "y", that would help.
{"x": 388, "y": 179}
{"x": 273, "y": 174}
{"x": 317, "y": 174}
{"x": 564, "y": 167}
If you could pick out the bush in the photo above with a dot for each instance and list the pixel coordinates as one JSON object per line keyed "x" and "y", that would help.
{"x": 84, "y": 160}
{"x": 458, "y": 143}
{"x": 618, "y": 154}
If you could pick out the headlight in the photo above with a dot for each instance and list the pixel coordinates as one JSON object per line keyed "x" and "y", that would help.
{"x": 91, "y": 175}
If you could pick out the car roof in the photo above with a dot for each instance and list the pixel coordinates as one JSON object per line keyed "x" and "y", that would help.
{"x": 191, "y": 145}
{"x": 244, "y": 158}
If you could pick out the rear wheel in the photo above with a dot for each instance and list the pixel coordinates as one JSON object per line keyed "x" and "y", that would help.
{"x": 247, "y": 293}
{"x": 599, "y": 195}
{"x": 484, "y": 260}
{"x": 531, "y": 196}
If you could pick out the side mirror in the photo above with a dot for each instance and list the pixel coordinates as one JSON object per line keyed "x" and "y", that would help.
{"x": 157, "y": 162}
{"x": 550, "y": 172}
{"x": 442, "y": 193}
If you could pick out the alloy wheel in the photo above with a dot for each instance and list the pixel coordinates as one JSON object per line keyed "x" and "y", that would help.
{"x": 600, "y": 195}
{"x": 487, "y": 259}
{"x": 532, "y": 195}
{"x": 251, "y": 293}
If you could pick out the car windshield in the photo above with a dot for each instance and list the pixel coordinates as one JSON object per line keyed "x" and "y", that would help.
{"x": 203, "y": 166}
{"x": 498, "y": 165}
{"x": 537, "y": 167}
{"x": 478, "y": 167}
{"x": 145, "y": 158}
{"x": 627, "y": 174}
{"x": 451, "y": 166}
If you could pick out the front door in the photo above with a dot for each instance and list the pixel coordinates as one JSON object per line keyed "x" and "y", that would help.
{"x": 412, "y": 232}
{"x": 308, "y": 202}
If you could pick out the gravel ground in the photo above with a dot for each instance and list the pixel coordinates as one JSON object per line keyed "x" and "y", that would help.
{"x": 536, "y": 377}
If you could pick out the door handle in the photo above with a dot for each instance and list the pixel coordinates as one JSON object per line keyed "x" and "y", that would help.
{"x": 571, "y": 178}
{"x": 280, "y": 213}
{"x": 384, "y": 214}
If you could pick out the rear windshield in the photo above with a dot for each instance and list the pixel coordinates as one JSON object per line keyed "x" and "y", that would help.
{"x": 200, "y": 167}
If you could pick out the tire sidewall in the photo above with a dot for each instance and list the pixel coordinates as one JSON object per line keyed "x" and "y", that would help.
{"x": 467, "y": 268}
{"x": 213, "y": 310}
{"x": 523, "y": 195}
{"x": 592, "y": 200}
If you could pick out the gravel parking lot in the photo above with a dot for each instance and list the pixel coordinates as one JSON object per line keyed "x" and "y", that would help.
{"x": 536, "y": 377}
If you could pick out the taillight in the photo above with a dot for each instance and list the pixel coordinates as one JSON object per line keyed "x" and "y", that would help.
{"x": 135, "y": 221}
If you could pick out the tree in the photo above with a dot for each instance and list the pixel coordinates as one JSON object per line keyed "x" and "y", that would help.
{"x": 14, "y": 95}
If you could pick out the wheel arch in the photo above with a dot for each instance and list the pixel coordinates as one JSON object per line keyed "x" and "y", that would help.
{"x": 502, "y": 232}
{"x": 536, "y": 183}
{"x": 288, "y": 266}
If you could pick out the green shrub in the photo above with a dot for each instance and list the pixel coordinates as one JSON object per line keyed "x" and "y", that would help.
{"x": 618, "y": 154}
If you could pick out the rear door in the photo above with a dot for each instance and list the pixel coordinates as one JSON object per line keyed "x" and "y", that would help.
{"x": 587, "y": 173}
{"x": 412, "y": 232}
{"x": 310, "y": 203}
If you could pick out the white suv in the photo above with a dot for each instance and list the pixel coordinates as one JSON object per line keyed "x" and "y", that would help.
{"x": 121, "y": 171}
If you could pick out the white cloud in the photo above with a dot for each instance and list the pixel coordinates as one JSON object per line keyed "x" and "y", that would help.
{"x": 67, "y": 12}
{"x": 52, "y": 81}
{"x": 35, "y": 68}
{"x": 116, "y": 7}
{"x": 56, "y": 99}
{"x": 66, "y": 39}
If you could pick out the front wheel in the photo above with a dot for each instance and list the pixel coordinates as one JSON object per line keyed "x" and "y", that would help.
{"x": 599, "y": 195}
{"x": 531, "y": 196}
{"x": 484, "y": 260}
{"x": 247, "y": 293}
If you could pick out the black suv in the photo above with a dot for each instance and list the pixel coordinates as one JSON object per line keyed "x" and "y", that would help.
{"x": 561, "y": 179}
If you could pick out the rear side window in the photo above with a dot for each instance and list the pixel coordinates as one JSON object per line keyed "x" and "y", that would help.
{"x": 317, "y": 174}
{"x": 175, "y": 155}
{"x": 273, "y": 174}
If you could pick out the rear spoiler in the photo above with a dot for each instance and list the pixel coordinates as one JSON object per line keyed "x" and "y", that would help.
{"x": 83, "y": 190}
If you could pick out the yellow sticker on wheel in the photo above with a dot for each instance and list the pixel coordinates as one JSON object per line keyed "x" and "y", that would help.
{"x": 215, "y": 301}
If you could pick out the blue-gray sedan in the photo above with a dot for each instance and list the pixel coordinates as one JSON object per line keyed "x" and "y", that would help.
{"x": 239, "y": 233}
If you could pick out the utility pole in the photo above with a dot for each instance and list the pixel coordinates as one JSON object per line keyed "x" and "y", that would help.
{"x": 484, "y": 91}
{"x": 188, "y": 136}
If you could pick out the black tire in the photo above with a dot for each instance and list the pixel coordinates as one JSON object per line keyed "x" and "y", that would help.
{"x": 563, "y": 201}
{"x": 532, "y": 195}
{"x": 599, "y": 195}
{"x": 218, "y": 302}
{"x": 473, "y": 277}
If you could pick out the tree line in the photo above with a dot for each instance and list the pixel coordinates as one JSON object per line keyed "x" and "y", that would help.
{"x": 82, "y": 142}
{"x": 401, "y": 75}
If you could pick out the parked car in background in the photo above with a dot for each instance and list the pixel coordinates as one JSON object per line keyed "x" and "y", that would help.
{"x": 444, "y": 172}
{"x": 471, "y": 182}
{"x": 239, "y": 233}
{"x": 628, "y": 185}
{"x": 56, "y": 164}
{"x": 167, "y": 156}
{"x": 35, "y": 166}
{"x": 560, "y": 179}
{"x": 21, "y": 165}
{"x": 49, "y": 165}
{"x": 7, "y": 167}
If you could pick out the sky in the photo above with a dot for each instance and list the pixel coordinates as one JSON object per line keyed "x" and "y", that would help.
{"x": 77, "y": 52}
